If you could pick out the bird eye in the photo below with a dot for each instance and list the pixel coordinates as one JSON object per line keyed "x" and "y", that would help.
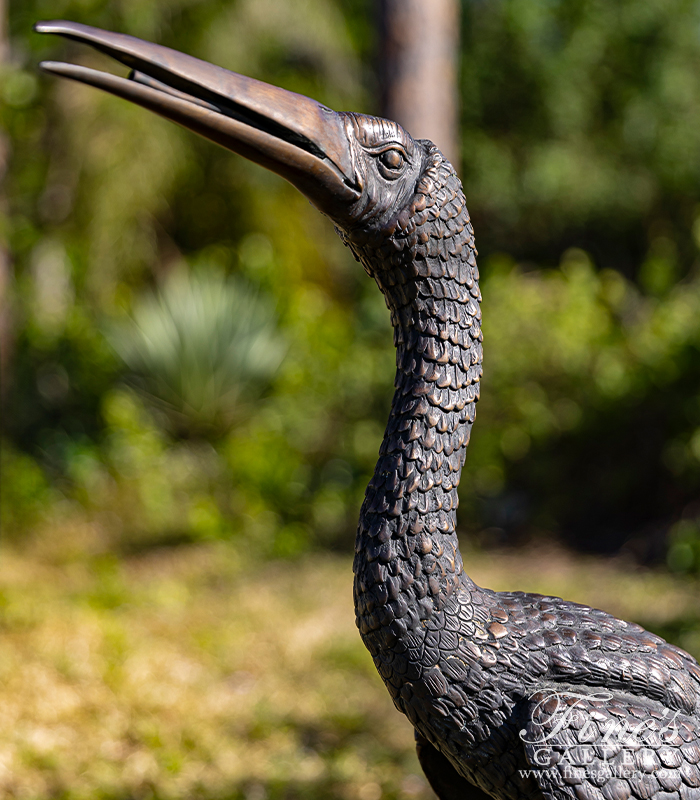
{"x": 391, "y": 159}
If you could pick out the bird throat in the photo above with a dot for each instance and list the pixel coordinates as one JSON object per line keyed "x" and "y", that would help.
{"x": 407, "y": 560}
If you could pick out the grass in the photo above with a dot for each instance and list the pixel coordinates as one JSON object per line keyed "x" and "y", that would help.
{"x": 188, "y": 672}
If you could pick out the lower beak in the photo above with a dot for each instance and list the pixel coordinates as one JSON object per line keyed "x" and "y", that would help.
{"x": 290, "y": 134}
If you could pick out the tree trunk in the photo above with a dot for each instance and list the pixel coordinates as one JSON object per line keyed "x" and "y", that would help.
{"x": 419, "y": 45}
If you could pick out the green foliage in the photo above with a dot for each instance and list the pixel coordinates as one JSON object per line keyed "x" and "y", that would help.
{"x": 26, "y": 492}
{"x": 204, "y": 349}
{"x": 581, "y": 159}
{"x": 581, "y": 126}
{"x": 684, "y": 546}
{"x": 573, "y": 354}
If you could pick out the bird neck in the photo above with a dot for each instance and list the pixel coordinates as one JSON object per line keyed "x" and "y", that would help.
{"x": 407, "y": 562}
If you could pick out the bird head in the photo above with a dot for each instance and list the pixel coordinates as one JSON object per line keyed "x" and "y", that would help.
{"x": 356, "y": 169}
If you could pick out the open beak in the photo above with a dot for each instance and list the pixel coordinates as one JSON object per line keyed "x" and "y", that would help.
{"x": 290, "y": 134}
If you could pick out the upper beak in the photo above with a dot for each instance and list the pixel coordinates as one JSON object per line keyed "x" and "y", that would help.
{"x": 292, "y": 135}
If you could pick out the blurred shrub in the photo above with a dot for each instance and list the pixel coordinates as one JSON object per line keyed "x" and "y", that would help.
{"x": 684, "y": 546}
{"x": 143, "y": 488}
{"x": 580, "y": 127}
{"x": 203, "y": 350}
{"x": 26, "y": 492}
{"x": 589, "y": 412}
{"x": 564, "y": 349}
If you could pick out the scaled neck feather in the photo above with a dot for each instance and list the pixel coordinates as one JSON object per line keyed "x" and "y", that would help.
{"x": 407, "y": 562}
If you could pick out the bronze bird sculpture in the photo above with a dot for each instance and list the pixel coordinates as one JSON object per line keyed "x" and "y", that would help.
{"x": 512, "y": 695}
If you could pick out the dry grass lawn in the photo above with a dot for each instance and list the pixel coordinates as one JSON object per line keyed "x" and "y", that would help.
{"x": 185, "y": 673}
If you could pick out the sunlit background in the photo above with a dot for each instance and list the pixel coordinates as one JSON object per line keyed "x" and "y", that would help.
{"x": 196, "y": 376}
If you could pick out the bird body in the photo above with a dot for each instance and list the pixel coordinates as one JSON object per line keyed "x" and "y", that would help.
{"x": 512, "y": 695}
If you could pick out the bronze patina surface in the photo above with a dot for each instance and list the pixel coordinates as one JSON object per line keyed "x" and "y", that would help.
{"x": 512, "y": 695}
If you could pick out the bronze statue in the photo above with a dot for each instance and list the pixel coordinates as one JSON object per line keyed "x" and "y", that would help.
{"x": 512, "y": 695}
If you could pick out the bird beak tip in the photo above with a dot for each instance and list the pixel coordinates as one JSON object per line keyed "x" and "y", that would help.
{"x": 295, "y": 136}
